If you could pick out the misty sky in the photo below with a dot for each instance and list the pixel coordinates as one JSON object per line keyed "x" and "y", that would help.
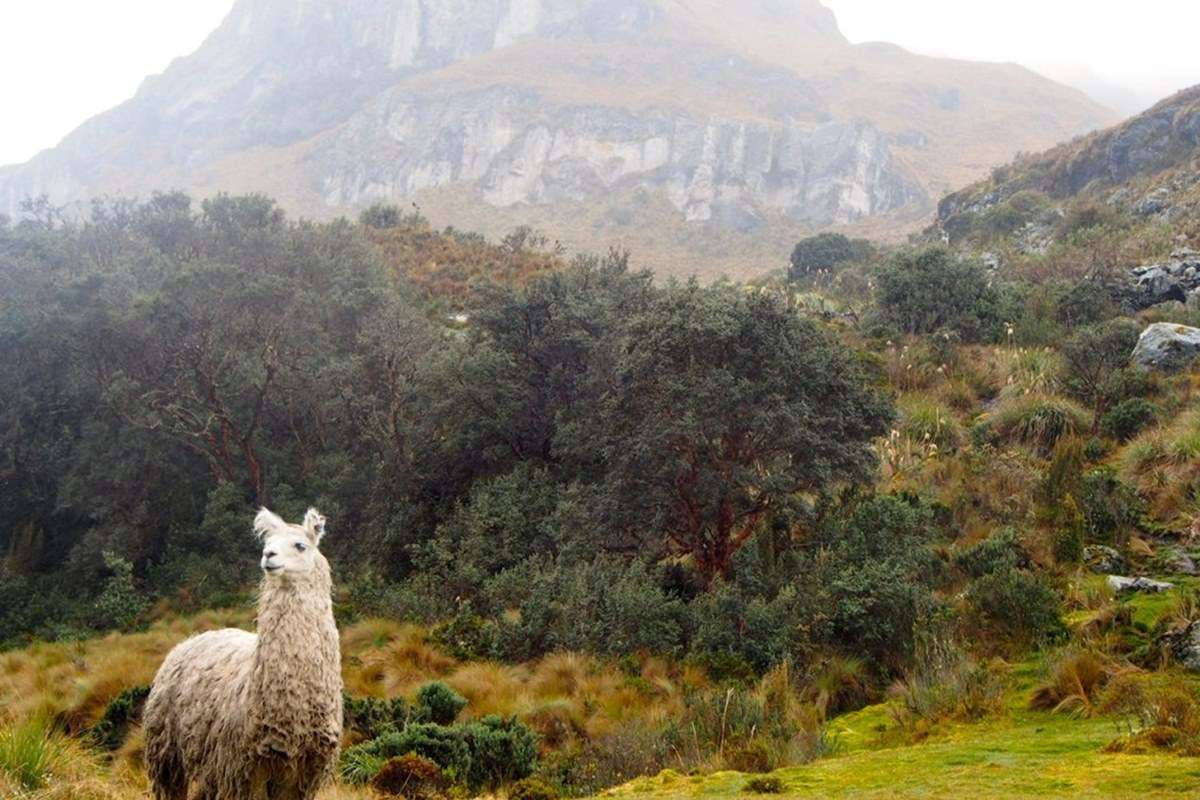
{"x": 64, "y": 60}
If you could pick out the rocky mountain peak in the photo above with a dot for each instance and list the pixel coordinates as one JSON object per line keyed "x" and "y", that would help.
{"x": 692, "y": 131}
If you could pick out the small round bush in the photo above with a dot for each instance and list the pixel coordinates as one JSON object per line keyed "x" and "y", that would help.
{"x": 1128, "y": 418}
{"x": 765, "y": 784}
{"x": 438, "y": 703}
{"x": 532, "y": 789}
{"x": 1018, "y": 603}
{"x": 408, "y": 775}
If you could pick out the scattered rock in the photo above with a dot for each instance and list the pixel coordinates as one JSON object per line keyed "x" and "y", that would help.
{"x": 1153, "y": 203}
{"x": 1184, "y": 646}
{"x": 1123, "y": 585}
{"x": 1166, "y": 346}
{"x": 1172, "y": 280}
{"x": 1103, "y": 559}
{"x": 1182, "y": 563}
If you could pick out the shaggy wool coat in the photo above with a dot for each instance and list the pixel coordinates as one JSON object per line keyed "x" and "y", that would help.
{"x": 240, "y": 716}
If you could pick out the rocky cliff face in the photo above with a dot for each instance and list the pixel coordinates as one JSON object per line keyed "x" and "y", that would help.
{"x": 504, "y": 142}
{"x": 736, "y": 117}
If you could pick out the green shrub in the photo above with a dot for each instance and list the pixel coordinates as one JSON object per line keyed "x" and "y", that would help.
{"x": 532, "y": 789}
{"x": 765, "y": 784}
{"x": 120, "y": 604}
{"x": 1017, "y": 603}
{"x": 823, "y": 252}
{"x": 468, "y": 636}
{"x": 1000, "y": 551}
{"x": 502, "y": 750}
{"x": 445, "y": 745}
{"x": 1127, "y": 419}
{"x": 438, "y": 703}
{"x": 1111, "y": 509}
{"x": 372, "y": 717}
{"x": 926, "y": 290}
{"x": 121, "y": 712}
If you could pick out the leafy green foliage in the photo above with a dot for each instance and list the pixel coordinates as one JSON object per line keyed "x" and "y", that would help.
{"x": 122, "y": 711}
{"x": 824, "y": 252}
{"x": 1017, "y": 603}
{"x": 925, "y": 290}
{"x": 999, "y": 552}
{"x": 436, "y": 702}
{"x": 372, "y": 717}
{"x": 1128, "y": 418}
{"x": 1095, "y": 356}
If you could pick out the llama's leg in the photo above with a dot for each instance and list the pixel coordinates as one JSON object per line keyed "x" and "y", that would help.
{"x": 168, "y": 778}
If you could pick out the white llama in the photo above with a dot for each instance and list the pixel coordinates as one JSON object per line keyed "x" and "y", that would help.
{"x": 241, "y": 716}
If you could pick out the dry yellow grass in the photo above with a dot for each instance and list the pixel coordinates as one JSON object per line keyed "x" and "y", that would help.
{"x": 568, "y": 698}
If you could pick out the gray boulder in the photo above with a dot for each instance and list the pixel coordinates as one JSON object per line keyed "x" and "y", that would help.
{"x": 1123, "y": 585}
{"x": 1167, "y": 346}
{"x": 1184, "y": 646}
{"x": 1103, "y": 559}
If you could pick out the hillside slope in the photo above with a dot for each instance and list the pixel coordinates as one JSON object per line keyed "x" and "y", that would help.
{"x": 1147, "y": 167}
{"x": 675, "y": 127}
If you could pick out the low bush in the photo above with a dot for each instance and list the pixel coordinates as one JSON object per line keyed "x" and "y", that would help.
{"x": 1018, "y": 604}
{"x": 409, "y": 776}
{"x": 371, "y": 717}
{"x": 436, "y": 702}
{"x": 502, "y": 749}
{"x": 1128, "y": 418}
{"x": 532, "y": 789}
{"x": 998, "y": 552}
{"x": 445, "y": 746}
{"x": 122, "y": 711}
{"x": 765, "y": 784}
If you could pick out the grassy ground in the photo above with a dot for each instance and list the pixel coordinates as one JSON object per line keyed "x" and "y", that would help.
{"x": 1024, "y": 754}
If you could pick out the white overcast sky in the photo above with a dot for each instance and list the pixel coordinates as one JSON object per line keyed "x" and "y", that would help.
{"x": 62, "y": 61}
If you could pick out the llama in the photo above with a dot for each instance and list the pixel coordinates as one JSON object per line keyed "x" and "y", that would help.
{"x": 241, "y": 716}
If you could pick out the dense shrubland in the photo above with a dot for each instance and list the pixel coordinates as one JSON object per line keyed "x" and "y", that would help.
{"x": 641, "y": 525}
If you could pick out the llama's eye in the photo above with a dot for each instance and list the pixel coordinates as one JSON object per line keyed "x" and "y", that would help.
{"x": 300, "y": 547}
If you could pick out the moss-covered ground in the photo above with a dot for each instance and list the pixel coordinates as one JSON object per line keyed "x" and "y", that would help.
{"x": 1017, "y": 754}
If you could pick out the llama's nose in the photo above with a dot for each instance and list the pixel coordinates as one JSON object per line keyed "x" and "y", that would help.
{"x": 269, "y": 554}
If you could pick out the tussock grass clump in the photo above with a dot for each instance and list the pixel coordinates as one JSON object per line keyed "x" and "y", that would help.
{"x": 924, "y": 419}
{"x": 30, "y": 753}
{"x": 1039, "y": 420}
{"x": 1163, "y": 464}
{"x": 1074, "y": 682}
{"x": 1161, "y": 713}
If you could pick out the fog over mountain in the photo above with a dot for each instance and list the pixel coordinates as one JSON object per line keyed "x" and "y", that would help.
{"x": 700, "y": 134}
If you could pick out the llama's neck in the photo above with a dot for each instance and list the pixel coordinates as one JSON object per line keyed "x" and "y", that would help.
{"x": 296, "y": 684}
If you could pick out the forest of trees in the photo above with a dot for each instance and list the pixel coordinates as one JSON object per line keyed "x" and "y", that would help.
{"x": 627, "y": 463}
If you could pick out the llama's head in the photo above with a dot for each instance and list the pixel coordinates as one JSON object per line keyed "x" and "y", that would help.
{"x": 290, "y": 550}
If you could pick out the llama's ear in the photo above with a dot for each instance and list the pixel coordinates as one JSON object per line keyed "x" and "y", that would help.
{"x": 314, "y": 523}
{"x": 267, "y": 522}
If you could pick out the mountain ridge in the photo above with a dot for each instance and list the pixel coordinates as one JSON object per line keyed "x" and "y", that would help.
{"x": 765, "y": 121}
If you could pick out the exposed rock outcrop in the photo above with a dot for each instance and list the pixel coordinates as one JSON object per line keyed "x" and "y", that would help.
{"x": 1176, "y": 279}
{"x": 1123, "y": 585}
{"x": 1184, "y": 646}
{"x": 1167, "y": 346}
